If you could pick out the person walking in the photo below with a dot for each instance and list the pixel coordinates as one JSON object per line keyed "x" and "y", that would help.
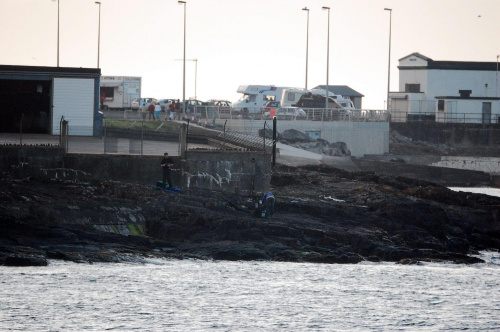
{"x": 157, "y": 111}
{"x": 144, "y": 111}
{"x": 151, "y": 110}
{"x": 178, "y": 110}
{"x": 171, "y": 110}
{"x": 166, "y": 163}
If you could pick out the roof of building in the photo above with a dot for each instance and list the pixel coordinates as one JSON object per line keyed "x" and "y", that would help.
{"x": 468, "y": 98}
{"x": 342, "y": 90}
{"x": 451, "y": 65}
{"x": 48, "y": 70}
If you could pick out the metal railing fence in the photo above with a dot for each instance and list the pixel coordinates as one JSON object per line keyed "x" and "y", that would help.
{"x": 472, "y": 118}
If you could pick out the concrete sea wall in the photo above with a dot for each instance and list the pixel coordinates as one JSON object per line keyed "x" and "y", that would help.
{"x": 454, "y": 134}
{"x": 361, "y": 137}
{"x": 240, "y": 172}
{"x": 487, "y": 165}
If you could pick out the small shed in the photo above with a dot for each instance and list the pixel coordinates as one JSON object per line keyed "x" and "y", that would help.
{"x": 35, "y": 99}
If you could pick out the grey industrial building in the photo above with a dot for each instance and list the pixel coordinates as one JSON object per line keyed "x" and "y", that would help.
{"x": 35, "y": 99}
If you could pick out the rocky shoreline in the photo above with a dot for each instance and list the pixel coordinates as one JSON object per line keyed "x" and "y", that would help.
{"x": 323, "y": 215}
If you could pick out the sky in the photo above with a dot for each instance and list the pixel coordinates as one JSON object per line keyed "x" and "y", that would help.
{"x": 243, "y": 42}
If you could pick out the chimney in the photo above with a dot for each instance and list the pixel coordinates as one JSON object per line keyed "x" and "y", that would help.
{"x": 465, "y": 93}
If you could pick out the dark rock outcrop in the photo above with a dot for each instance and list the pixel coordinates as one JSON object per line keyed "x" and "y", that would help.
{"x": 323, "y": 215}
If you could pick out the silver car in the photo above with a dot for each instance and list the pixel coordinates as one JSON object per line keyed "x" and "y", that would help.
{"x": 137, "y": 102}
{"x": 286, "y": 113}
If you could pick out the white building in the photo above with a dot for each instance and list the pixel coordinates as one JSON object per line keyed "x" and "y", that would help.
{"x": 446, "y": 91}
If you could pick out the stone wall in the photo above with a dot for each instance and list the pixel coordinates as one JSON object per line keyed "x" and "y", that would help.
{"x": 487, "y": 165}
{"x": 460, "y": 135}
{"x": 449, "y": 177}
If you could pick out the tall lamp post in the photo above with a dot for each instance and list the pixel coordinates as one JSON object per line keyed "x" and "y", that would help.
{"x": 195, "y": 76}
{"x": 184, "y": 63}
{"x": 389, "y": 66}
{"x": 307, "y": 42}
{"x": 57, "y": 32}
{"x": 327, "y": 55}
{"x": 496, "y": 87}
{"x": 98, "y": 34}
{"x": 195, "y": 73}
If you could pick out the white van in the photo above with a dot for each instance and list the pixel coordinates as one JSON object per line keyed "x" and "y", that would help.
{"x": 118, "y": 92}
{"x": 255, "y": 97}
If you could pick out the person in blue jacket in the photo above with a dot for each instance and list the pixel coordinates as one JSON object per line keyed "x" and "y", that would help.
{"x": 268, "y": 204}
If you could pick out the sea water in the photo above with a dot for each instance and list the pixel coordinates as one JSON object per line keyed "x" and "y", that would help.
{"x": 195, "y": 295}
{"x": 481, "y": 190}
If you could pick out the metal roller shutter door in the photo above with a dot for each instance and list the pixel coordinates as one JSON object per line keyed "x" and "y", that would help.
{"x": 73, "y": 98}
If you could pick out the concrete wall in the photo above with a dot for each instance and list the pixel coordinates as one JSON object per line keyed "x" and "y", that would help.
{"x": 487, "y": 165}
{"x": 238, "y": 172}
{"x": 130, "y": 168}
{"x": 361, "y": 137}
{"x": 25, "y": 161}
{"x": 468, "y": 135}
{"x": 444, "y": 176}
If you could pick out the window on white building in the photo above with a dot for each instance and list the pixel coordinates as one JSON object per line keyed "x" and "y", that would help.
{"x": 412, "y": 87}
{"x": 440, "y": 105}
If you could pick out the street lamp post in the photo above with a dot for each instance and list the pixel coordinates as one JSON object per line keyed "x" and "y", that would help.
{"x": 57, "y": 32}
{"x": 98, "y": 34}
{"x": 195, "y": 73}
{"x": 389, "y": 65}
{"x": 195, "y": 76}
{"x": 496, "y": 87}
{"x": 184, "y": 63}
{"x": 307, "y": 42}
{"x": 327, "y": 55}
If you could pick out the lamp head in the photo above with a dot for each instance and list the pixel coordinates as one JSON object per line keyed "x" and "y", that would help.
{"x": 325, "y": 8}
{"x": 305, "y": 8}
{"x": 389, "y": 9}
{"x": 181, "y": 2}
{"x": 97, "y": 2}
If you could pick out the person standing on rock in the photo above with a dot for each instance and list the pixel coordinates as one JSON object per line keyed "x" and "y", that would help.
{"x": 166, "y": 163}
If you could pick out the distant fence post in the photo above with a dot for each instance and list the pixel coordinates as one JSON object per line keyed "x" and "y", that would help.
{"x": 21, "y": 130}
{"x": 142, "y": 138}
{"x": 274, "y": 140}
{"x": 264, "y": 136}
{"x": 63, "y": 134}
{"x": 182, "y": 141}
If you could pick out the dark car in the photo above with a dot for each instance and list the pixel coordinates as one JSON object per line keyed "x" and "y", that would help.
{"x": 164, "y": 103}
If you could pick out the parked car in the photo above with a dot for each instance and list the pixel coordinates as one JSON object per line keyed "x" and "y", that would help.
{"x": 271, "y": 104}
{"x": 164, "y": 103}
{"x": 137, "y": 102}
{"x": 224, "y": 106}
{"x": 191, "y": 104}
{"x": 286, "y": 113}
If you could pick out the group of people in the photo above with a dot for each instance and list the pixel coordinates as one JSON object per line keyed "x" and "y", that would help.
{"x": 154, "y": 109}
